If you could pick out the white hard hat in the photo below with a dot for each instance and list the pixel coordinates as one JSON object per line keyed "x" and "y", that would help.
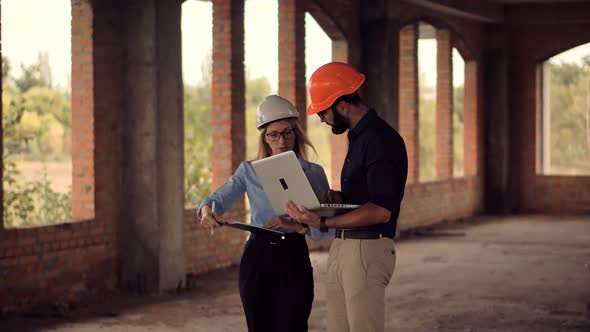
{"x": 274, "y": 108}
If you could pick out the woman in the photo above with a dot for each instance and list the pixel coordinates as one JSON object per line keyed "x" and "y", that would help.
{"x": 276, "y": 277}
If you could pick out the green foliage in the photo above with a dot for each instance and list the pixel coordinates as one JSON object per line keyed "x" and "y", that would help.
{"x": 197, "y": 143}
{"x": 31, "y": 110}
{"x": 570, "y": 117}
{"x": 6, "y": 68}
{"x": 427, "y": 134}
{"x": 256, "y": 90}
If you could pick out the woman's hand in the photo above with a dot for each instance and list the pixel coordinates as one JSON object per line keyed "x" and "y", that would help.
{"x": 209, "y": 218}
{"x": 280, "y": 224}
{"x": 331, "y": 197}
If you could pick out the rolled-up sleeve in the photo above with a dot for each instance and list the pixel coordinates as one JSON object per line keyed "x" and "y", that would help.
{"x": 319, "y": 184}
{"x": 383, "y": 177}
{"x": 228, "y": 194}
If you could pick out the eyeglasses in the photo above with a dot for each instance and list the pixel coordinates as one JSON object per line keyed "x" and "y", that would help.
{"x": 322, "y": 114}
{"x": 287, "y": 134}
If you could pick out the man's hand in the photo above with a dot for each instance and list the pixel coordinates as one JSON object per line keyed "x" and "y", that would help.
{"x": 331, "y": 197}
{"x": 209, "y": 218}
{"x": 303, "y": 215}
{"x": 280, "y": 224}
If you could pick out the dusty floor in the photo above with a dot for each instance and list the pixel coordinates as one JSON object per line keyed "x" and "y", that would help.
{"x": 527, "y": 273}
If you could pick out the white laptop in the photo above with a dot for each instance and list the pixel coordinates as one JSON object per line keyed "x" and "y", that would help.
{"x": 283, "y": 178}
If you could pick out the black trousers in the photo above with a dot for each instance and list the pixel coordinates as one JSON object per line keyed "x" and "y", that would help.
{"x": 276, "y": 283}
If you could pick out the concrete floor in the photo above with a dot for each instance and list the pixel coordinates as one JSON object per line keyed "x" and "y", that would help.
{"x": 526, "y": 273}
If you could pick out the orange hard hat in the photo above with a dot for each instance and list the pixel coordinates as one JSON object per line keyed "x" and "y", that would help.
{"x": 330, "y": 82}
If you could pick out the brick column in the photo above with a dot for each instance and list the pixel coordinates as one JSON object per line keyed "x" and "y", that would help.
{"x": 408, "y": 97}
{"x": 444, "y": 105}
{"x": 1, "y": 139}
{"x": 82, "y": 111}
{"x": 338, "y": 143}
{"x": 292, "y": 54}
{"x": 470, "y": 120}
{"x": 228, "y": 87}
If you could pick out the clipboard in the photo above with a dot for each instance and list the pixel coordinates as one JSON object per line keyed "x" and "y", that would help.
{"x": 250, "y": 228}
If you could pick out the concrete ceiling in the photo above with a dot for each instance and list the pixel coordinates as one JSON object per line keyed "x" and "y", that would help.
{"x": 512, "y": 11}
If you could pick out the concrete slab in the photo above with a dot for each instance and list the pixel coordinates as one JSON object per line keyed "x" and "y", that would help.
{"x": 525, "y": 273}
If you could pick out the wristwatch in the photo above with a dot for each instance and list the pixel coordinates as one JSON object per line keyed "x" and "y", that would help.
{"x": 323, "y": 226}
{"x": 303, "y": 229}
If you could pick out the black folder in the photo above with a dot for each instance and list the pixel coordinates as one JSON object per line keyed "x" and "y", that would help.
{"x": 250, "y": 228}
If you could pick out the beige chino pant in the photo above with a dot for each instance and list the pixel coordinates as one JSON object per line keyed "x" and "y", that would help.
{"x": 358, "y": 273}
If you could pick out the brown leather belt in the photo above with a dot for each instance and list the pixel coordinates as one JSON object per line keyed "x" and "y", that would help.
{"x": 361, "y": 234}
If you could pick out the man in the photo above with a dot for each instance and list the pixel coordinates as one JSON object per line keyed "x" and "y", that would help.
{"x": 362, "y": 256}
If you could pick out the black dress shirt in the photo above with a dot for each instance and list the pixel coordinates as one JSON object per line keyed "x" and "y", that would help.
{"x": 375, "y": 169}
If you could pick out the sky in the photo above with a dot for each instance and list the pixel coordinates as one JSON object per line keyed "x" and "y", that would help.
{"x": 31, "y": 26}
{"x": 47, "y": 28}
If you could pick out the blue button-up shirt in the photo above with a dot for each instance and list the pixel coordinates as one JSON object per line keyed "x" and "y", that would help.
{"x": 261, "y": 211}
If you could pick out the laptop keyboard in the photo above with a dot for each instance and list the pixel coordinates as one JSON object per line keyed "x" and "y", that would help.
{"x": 337, "y": 205}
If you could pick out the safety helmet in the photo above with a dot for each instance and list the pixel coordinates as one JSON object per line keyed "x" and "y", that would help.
{"x": 274, "y": 108}
{"x": 330, "y": 82}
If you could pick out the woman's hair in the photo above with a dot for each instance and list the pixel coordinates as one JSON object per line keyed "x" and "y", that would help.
{"x": 300, "y": 141}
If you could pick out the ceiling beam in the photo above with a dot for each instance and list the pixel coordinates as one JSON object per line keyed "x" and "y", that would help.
{"x": 481, "y": 12}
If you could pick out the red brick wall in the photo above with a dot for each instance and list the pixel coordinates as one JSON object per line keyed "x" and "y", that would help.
{"x": 471, "y": 148}
{"x": 408, "y": 96}
{"x": 82, "y": 112}
{"x": 535, "y": 192}
{"x": 228, "y": 128}
{"x": 72, "y": 261}
{"x": 228, "y": 82}
{"x": 292, "y": 83}
{"x": 432, "y": 202}
{"x": 444, "y": 105}
{"x": 204, "y": 252}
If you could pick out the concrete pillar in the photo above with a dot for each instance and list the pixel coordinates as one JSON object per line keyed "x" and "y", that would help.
{"x": 496, "y": 122}
{"x": 470, "y": 120}
{"x": 152, "y": 255}
{"x": 170, "y": 143}
{"x": 408, "y": 97}
{"x": 292, "y": 54}
{"x": 444, "y": 105}
{"x": 228, "y": 86}
{"x": 380, "y": 58}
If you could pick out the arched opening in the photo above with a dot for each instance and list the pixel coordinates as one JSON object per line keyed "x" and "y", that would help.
{"x": 261, "y": 62}
{"x": 427, "y": 90}
{"x": 564, "y": 113}
{"x": 458, "y": 118}
{"x": 339, "y": 52}
{"x": 197, "y": 44}
{"x": 318, "y": 46}
{"x": 37, "y": 113}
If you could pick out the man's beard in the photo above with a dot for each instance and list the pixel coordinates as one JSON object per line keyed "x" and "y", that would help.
{"x": 340, "y": 123}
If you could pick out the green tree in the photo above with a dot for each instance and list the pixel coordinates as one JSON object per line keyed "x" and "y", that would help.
{"x": 426, "y": 131}
{"x": 570, "y": 117}
{"x": 6, "y": 68}
{"x": 28, "y": 202}
{"x": 256, "y": 90}
{"x": 32, "y": 76}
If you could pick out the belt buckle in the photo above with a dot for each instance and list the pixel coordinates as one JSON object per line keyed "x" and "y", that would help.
{"x": 342, "y": 234}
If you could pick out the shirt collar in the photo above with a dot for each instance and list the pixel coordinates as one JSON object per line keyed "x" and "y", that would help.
{"x": 362, "y": 125}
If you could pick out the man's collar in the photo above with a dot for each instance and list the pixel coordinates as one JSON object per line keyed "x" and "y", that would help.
{"x": 362, "y": 124}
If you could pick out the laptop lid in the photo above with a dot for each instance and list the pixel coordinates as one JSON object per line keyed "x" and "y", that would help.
{"x": 283, "y": 179}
